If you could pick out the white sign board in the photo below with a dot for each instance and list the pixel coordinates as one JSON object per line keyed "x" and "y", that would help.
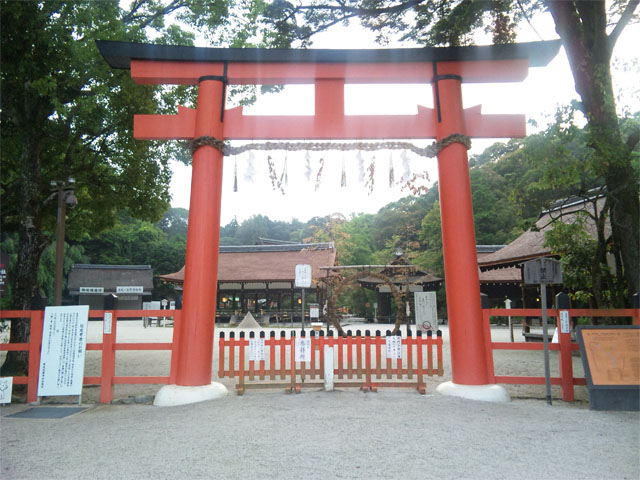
{"x": 314, "y": 310}
{"x": 303, "y": 349}
{"x": 426, "y": 310}
{"x": 108, "y": 322}
{"x": 394, "y": 346}
{"x": 256, "y": 349}
{"x": 129, "y": 289}
{"x": 91, "y": 290}
{"x": 64, "y": 341}
{"x": 6, "y": 389}
{"x": 565, "y": 324}
{"x": 303, "y": 276}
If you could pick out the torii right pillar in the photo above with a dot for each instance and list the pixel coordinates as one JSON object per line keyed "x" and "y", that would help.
{"x": 469, "y": 365}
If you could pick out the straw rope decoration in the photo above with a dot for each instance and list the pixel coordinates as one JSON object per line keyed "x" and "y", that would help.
{"x": 407, "y": 183}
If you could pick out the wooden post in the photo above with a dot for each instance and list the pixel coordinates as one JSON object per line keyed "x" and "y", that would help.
{"x": 563, "y": 324}
{"x": 468, "y": 359}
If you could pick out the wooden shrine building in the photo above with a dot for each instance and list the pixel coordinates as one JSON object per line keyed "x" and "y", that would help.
{"x": 509, "y": 260}
{"x": 91, "y": 283}
{"x": 261, "y": 279}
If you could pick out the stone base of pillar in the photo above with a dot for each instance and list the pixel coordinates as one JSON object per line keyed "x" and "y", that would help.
{"x": 484, "y": 393}
{"x": 173, "y": 395}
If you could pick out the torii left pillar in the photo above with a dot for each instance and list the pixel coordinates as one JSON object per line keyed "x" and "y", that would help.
{"x": 195, "y": 345}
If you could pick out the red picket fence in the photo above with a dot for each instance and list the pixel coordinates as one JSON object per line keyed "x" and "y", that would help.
{"x": 357, "y": 358}
{"x": 564, "y": 347}
{"x": 108, "y": 347}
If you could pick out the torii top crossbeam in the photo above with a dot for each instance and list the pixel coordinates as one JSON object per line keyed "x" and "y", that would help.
{"x": 212, "y": 69}
{"x": 329, "y": 70}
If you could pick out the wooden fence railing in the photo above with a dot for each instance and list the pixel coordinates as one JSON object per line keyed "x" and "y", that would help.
{"x": 359, "y": 360}
{"x": 108, "y": 347}
{"x": 366, "y": 361}
{"x": 564, "y": 347}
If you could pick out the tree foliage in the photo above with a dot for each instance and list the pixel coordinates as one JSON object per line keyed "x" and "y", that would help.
{"x": 588, "y": 30}
{"x": 66, "y": 113}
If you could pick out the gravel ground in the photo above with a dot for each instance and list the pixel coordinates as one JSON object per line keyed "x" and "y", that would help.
{"x": 344, "y": 434}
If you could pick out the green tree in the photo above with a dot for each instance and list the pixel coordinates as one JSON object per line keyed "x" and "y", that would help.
{"x": 175, "y": 222}
{"x": 495, "y": 218}
{"x": 588, "y": 31}
{"x": 137, "y": 242}
{"x": 65, "y": 113}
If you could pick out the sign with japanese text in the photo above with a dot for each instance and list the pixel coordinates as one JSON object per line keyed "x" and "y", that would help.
{"x": 129, "y": 289}
{"x": 256, "y": 349}
{"x": 303, "y": 276}
{"x": 314, "y": 310}
{"x": 542, "y": 270}
{"x": 64, "y": 340}
{"x": 565, "y": 324}
{"x": 394, "y": 346}
{"x": 426, "y": 309}
{"x": 303, "y": 349}
{"x": 6, "y": 389}
{"x": 108, "y": 322}
{"x": 612, "y": 354}
{"x": 91, "y": 290}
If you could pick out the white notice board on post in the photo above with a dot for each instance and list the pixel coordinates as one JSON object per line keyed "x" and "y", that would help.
{"x": 426, "y": 310}
{"x": 64, "y": 341}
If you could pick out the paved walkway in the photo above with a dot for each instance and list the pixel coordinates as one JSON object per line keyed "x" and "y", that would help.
{"x": 344, "y": 434}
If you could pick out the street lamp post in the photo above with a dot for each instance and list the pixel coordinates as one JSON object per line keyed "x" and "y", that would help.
{"x": 66, "y": 198}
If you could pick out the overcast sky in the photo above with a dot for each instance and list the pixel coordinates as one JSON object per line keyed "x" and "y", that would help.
{"x": 537, "y": 97}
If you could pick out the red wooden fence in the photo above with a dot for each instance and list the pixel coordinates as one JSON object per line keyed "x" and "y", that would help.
{"x": 565, "y": 345}
{"x": 108, "y": 347}
{"x": 360, "y": 360}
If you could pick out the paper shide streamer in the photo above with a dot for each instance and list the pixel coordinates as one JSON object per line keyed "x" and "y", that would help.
{"x": 251, "y": 171}
{"x": 406, "y": 167}
{"x": 235, "y": 174}
{"x": 307, "y": 166}
{"x": 392, "y": 179}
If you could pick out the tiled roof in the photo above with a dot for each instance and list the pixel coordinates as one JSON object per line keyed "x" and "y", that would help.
{"x": 260, "y": 263}
{"x": 110, "y": 276}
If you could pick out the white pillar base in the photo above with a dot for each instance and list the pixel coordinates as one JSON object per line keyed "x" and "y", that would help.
{"x": 173, "y": 395}
{"x": 484, "y": 393}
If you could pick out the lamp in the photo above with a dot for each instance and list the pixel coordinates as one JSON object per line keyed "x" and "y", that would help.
{"x": 66, "y": 199}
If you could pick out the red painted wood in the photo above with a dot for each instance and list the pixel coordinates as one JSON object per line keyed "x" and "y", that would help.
{"x": 14, "y": 347}
{"x": 35, "y": 343}
{"x": 143, "y": 346}
{"x": 175, "y": 358}
{"x": 188, "y": 73}
{"x": 203, "y": 235}
{"x": 466, "y": 331}
{"x": 108, "y": 365}
{"x": 140, "y": 380}
{"x": 326, "y": 127}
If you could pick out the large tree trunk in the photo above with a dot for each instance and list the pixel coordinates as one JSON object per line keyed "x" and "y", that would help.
{"x": 582, "y": 28}
{"x": 31, "y": 244}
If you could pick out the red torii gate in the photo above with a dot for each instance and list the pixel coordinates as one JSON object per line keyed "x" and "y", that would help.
{"x": 212, "y": 69}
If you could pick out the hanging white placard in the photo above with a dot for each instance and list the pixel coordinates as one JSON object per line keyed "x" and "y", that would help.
{"x": 256, "y": 349}
{"x": 394, "y": 346}
{"x": 303, "y": 349}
